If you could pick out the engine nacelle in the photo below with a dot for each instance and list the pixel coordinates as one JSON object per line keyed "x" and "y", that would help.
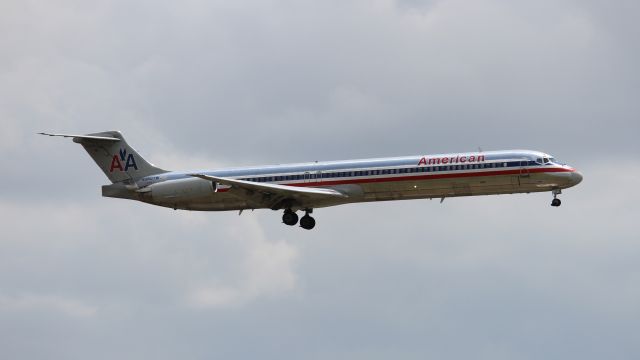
{"x": 176, "y": 191}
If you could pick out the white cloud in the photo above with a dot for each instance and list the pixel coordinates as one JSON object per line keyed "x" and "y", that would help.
{"x": 213, "y": 84}
{"x": 266, "y": 269}
{"x": 33, "y": 302}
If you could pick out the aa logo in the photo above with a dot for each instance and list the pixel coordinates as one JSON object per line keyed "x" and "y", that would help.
{"x": 128, "y": 160}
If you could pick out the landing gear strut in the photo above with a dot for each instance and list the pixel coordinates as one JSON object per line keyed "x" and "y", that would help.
{"x": 289, "y": 217}
{"x": 556, "y": 202}
{"x": 307, "y": 222}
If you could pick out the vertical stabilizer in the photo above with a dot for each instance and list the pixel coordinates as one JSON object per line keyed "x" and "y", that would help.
{"x": 119, "y": 161}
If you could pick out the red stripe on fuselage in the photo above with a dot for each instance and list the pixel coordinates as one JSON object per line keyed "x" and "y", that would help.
{"x": 431, "y": 176}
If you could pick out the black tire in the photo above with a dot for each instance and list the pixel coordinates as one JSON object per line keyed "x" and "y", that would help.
{"x": 307, "y": 222}
{"x": 556, "y": 202}
{"x": 290, "y": 218}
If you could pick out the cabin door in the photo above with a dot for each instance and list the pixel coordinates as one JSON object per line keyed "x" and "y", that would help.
{"x": 311, "y": 177}
{"x": 523, "y": 176}
{"x": 524, "y": 171}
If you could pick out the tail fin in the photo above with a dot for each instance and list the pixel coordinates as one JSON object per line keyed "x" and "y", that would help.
{"x": 119, "y": 161}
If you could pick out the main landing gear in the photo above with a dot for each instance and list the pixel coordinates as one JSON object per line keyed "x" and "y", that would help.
{"x": 291, "y": 218}
{"x": 307, "y": 222}
{"x": 556, "y": 202}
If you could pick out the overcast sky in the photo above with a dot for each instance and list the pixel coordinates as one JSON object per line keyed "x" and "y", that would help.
{"x": 198, "y": 83}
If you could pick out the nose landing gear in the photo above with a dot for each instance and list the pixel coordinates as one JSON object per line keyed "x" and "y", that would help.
{"x": 556, "y": 202}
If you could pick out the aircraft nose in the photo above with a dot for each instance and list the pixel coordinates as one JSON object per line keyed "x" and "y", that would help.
{"x": 576, "y": 177}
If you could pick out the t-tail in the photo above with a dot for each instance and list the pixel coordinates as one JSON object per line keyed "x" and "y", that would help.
{"x": 119, "y": 161}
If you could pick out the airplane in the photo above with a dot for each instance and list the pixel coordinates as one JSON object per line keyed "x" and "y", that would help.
{"x": 308, "y": 186}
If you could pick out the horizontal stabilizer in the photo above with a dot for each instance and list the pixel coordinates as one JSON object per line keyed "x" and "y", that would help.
{"x": 88, "y": 137}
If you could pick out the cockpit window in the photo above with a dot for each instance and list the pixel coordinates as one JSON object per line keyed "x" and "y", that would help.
{"x": 539, "y": 160}
{"x": 546, "y": 160}
{"x": 552, "y": 160}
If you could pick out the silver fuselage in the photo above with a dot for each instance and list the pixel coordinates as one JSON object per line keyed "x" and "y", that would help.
{"x": 383, "y": 179}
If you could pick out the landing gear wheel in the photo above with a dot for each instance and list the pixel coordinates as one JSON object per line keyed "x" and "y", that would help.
{"x": 289, "y": 217}
{"x": 307, "y": 222}
{"x": 556, "y": 202}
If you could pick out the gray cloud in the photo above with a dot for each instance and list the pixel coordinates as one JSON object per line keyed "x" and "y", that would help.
{"x": 219, "y": 84}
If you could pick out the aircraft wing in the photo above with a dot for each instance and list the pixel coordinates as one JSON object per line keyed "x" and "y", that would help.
{"x": 273, "y": 195}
